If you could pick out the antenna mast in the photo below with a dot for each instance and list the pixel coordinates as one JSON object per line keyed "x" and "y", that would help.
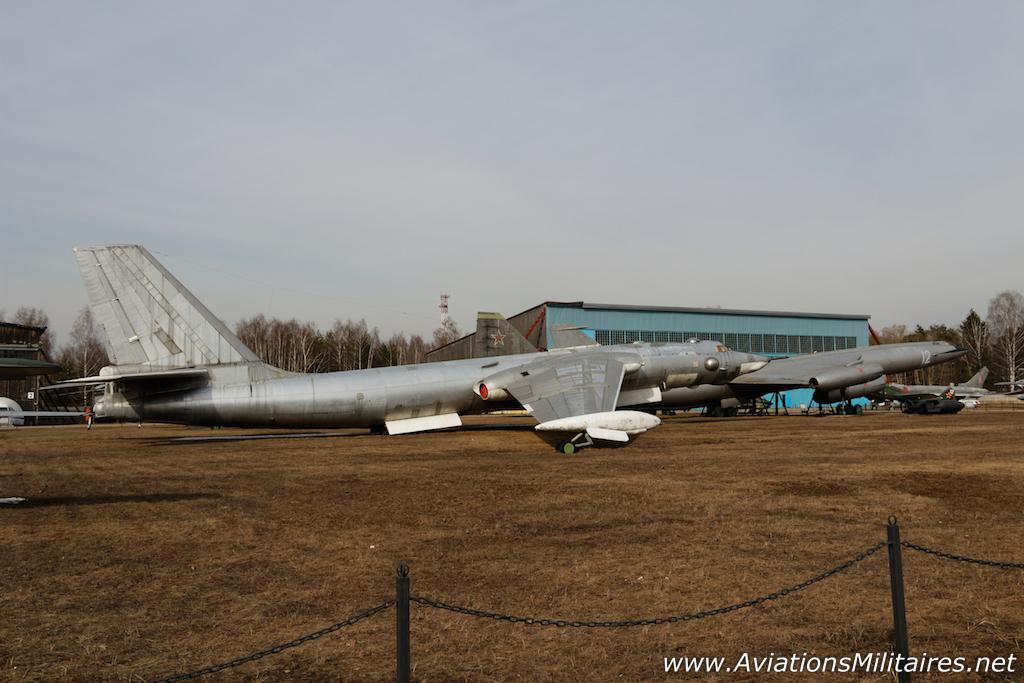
{"x": 444, "y": 309}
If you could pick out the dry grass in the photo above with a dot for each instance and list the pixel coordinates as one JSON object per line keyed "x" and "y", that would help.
{"x": 143, "y": 556}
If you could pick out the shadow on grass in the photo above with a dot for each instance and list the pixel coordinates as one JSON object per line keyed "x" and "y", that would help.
{"x": 230, "y": 438}
{"x": 77, "y": 501}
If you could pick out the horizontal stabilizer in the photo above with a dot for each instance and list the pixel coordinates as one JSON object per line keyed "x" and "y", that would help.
{"x": 183, "y": 373}
{"x": 423, "y": 424}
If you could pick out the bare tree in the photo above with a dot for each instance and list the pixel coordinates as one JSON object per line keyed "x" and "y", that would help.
{"x": 253, "y": 333}
{"x": 348, "y": 345}
{"x": 339, "y": 342}
{"x": 1006, "y": 325}
{"x": 892, "y": 334}
{"x": 975, "y": 338}
{"x": 83, "y": 355}
{"x": 446, "y": 333}
{"x": 417, "y": 350}
{"x": 35, "y": 317}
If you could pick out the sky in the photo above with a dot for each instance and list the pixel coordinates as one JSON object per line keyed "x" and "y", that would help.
{"x": 355, "y": 160}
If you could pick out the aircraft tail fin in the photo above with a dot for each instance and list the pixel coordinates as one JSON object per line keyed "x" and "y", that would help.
{"x": 496, "y": 336}
{"x": 978, "y": 380}
{"x": 147, "y": 317}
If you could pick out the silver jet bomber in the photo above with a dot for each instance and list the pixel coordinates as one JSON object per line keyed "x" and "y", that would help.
{"x": 835, "y": 376}
{"x": 174, "y": 361}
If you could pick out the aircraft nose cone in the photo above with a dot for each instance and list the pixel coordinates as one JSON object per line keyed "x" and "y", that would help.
{"x": 955, "y": 351}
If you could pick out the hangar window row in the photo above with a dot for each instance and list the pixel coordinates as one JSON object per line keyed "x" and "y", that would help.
{"x": 749, "y": 343}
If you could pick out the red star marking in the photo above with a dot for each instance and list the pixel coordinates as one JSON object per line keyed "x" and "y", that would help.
{"x": 497, "y": 339}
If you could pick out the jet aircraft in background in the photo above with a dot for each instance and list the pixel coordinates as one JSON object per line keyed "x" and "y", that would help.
{"x": 1016, "y": 386}
{"x": 972, "y": 388}
{"x": 12, "y": 415}
{"x": 174, "y": 361}
{"x": 835, "y": 376}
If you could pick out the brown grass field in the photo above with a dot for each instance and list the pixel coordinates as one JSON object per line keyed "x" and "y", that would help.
{"x": 139, "y": 556}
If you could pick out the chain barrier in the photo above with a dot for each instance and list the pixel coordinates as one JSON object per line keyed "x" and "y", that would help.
{"x": 565, "y": 623}
{"x": 301, "y": 640}
{"x": 962, "y": 558}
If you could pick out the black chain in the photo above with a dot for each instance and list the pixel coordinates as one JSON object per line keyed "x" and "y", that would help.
{"x": 962, "y": 558}
{"x": 365, "y": 614}
{"x": 562, "y": 623}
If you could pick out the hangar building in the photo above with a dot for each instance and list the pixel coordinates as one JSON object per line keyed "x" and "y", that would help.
{"x": 771, "y": 333}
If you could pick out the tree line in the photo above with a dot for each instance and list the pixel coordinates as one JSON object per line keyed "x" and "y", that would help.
{"x": 995, "y": 341}
{"x": 288, "y": 344}
{"x": 301, "y": 347}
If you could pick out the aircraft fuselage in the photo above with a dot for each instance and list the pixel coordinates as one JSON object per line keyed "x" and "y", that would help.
{"x": 253, "y": 394}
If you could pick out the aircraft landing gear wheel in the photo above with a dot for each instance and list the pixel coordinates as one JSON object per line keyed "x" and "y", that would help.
{"x": 858, "y": 410}
{"x": 840, "y": 410}
{"x": 569, "y": 448}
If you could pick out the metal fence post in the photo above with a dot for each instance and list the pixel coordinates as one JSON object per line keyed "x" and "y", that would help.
{"x": 900, "y": 643}
{"x": 402, "y": 662}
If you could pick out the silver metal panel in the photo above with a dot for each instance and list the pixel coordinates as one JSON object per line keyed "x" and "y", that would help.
{"x": 148, "y": 317}
{"x": 569, "y": 385}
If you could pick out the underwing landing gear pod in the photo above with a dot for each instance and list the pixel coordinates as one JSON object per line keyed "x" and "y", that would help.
{"x": 613, "y": 428}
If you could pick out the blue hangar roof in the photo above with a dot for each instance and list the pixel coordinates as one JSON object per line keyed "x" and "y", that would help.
{"x": 769, "y": 332}
{"x": 707, "y": 311}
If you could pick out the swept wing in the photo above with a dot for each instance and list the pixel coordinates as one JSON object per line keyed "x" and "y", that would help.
{"x": 569, "y": 385}
{"x": 574, "y": 392}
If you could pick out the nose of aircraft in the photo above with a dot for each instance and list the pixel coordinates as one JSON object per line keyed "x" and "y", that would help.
{"x": 947, "y": 352}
